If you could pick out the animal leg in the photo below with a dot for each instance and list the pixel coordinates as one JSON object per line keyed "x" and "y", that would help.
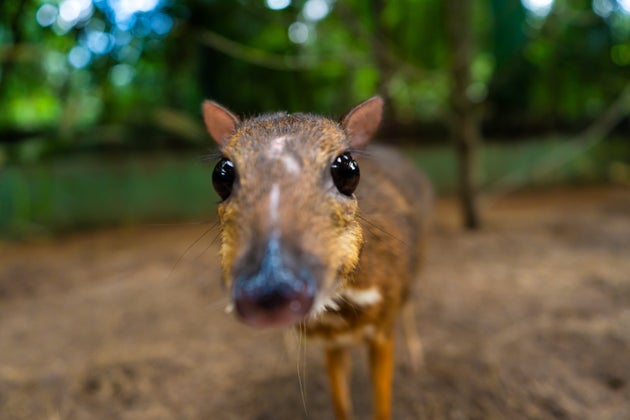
{"x": 413, "y": 343}
{"x": 382, "y": 365}
{"x": 338, "y": 366}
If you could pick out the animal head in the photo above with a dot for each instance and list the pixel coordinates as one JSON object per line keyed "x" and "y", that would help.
{"x": 290, "y": 233}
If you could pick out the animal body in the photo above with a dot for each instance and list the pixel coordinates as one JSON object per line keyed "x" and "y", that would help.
{"x": 321, "y": 231}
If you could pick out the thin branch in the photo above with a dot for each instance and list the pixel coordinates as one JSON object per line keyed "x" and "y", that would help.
{"x": 356, "y": 27}
{"x": 588, "y": 138}
{"x": 253, "y": 55}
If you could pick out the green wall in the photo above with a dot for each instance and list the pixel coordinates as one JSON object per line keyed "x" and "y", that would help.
{"x": 79, "y": 192}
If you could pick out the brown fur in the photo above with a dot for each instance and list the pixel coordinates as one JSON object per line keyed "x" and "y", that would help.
{"x": 374, "y": 239}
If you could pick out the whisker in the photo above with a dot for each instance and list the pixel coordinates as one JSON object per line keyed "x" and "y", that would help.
{"x": 380, "y": 229}
{"x": 193, "y": 223}
{"x": 218, "y": 303}
{"x": 360, "y": 152}
{"x": 351, "y": 305}
{"x": 302, "y": 355}
{"x": 181, "y": 257}
{"x": 214, "y": 240}
{"x": 305, "y": 341}
{"x": 211, "y": 157}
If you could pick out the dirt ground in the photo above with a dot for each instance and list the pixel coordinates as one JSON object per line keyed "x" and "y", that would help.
{"x": 529, "y": 318}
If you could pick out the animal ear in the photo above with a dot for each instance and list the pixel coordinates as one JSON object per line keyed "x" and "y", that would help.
{"x": 220, "y": 122}
{"x": 362, "y": 121}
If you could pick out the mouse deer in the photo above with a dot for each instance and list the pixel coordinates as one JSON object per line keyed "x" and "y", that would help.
{"x": 321, "y": 231}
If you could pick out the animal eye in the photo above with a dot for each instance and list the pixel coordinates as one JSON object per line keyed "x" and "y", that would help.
{"x": 345, "y": 173}
{"x": 223, "y": 178}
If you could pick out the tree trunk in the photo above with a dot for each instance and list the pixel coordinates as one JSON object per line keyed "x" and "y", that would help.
{"x": 379, "y": 47}
{"x": 16, "y": 31}
{"x": 464, "y": 124}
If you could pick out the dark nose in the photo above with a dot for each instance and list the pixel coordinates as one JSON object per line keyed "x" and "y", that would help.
{"x": 277, "y": 290}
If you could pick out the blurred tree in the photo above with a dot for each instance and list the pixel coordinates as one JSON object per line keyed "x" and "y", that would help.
{"x": 78, "y": 75}
{"x": 464, "y": 124}
{"x": 512, "y": 71}
{"x": 15, "y": 34}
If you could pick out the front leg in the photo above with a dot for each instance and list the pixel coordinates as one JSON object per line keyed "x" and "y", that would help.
{"x": 382, "y": 364}
{"x": 338, "y": 365}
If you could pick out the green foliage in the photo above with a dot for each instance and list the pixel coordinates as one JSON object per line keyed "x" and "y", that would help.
{"x": 531, "y": 73}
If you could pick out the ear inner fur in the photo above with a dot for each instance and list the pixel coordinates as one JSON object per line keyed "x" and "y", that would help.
{"x": 362, "y": 121}
{"x": 219, "y": 121}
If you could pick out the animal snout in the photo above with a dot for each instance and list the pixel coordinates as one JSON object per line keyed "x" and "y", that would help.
{"x": 275, "y": 290}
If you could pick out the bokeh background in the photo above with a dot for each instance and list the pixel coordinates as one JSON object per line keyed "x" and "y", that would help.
{"x": 111, "y": 304}
{"x": 100, "y": 100}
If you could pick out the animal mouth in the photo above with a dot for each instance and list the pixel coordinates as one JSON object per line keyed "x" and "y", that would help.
{"x": 278, "y": 289}
{"x": 281, "y": 307}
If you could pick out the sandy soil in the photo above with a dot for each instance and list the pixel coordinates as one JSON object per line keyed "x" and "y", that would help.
{"x": 529, "y": 318}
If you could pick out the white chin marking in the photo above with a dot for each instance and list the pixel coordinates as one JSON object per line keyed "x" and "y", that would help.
{"x": 362, "y": 297}
{"x": 324, "y": 305}
{"x": 357, "y": 297}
